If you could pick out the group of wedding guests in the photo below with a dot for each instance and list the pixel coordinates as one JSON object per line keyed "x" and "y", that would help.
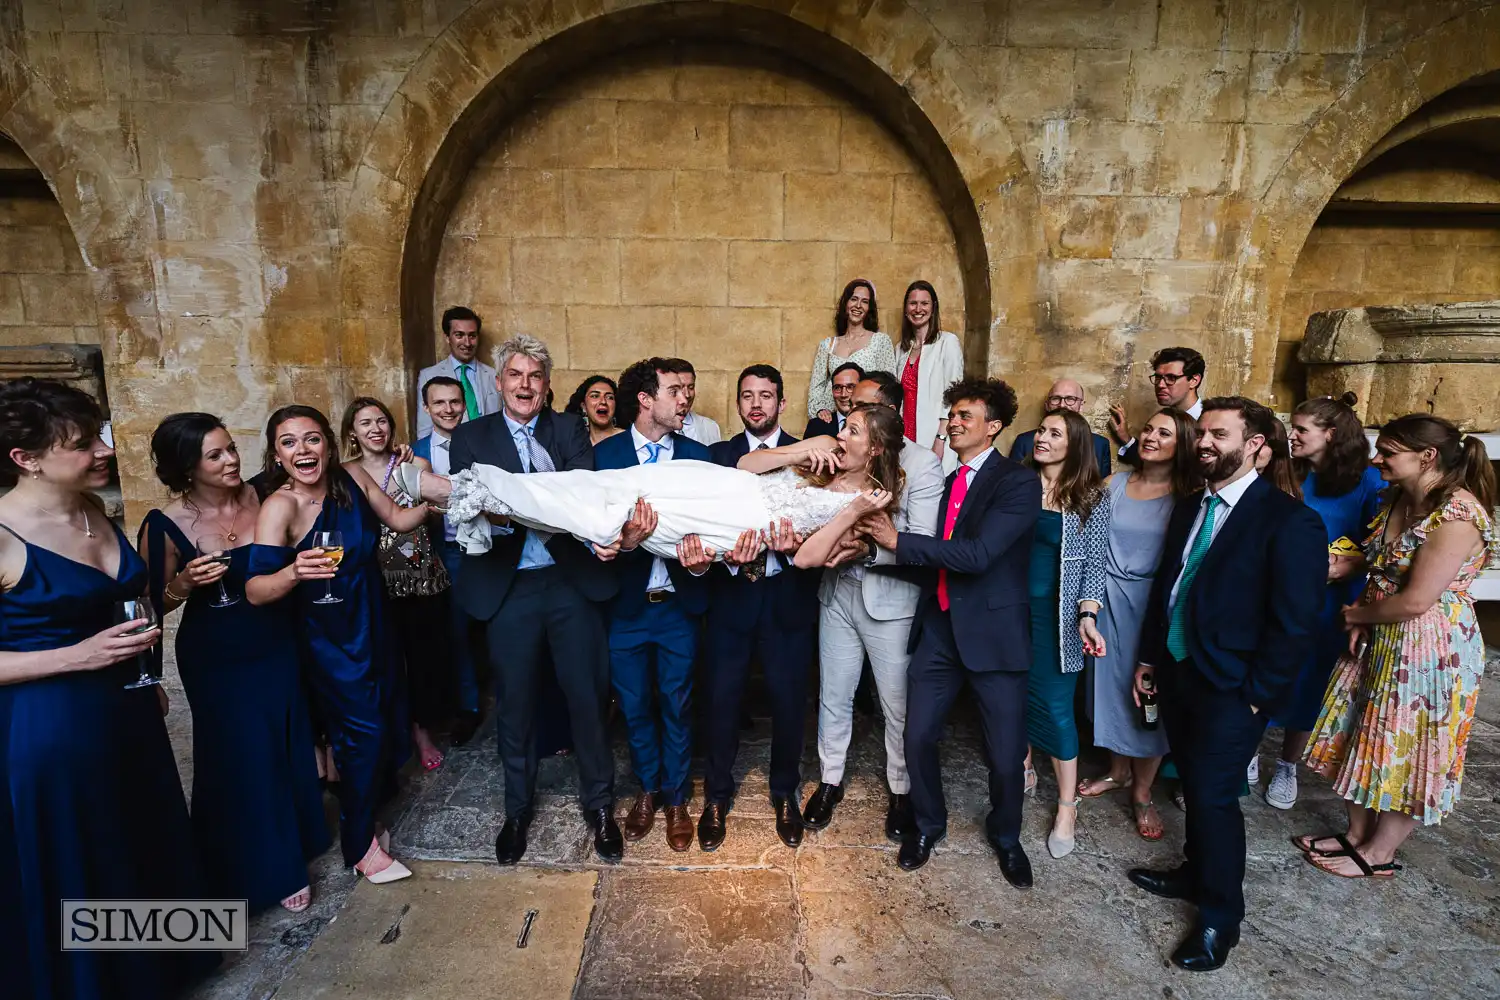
{"x": 1211, "y": 576}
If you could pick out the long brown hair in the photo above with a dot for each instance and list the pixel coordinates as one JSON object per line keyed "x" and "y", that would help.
{"x": 883, "y": 428}
{"x": 1461, "y": 458}
{"x": 348, "y": 442}
{"x": 934, "y": 325}
{"x": 1080, "y": 485}
{"x": 1279, "y": 470}
{"x": 872, "y": 316}
{"x": 1348, "y": 453}
{"x": 276, "y": 476}
{"x": 1187, "y": 474}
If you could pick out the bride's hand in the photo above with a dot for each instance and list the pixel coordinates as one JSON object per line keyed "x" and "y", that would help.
{"x": 819, "y": 459}
{"x": 870, "y": 501}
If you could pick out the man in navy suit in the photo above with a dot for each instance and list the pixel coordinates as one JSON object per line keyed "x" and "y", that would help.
{"x": 758, "y": 603}
{"x": 1231, "y": 617}
{"x": 1065, "y": 394}
{"x": 655, "y": 614}
{"x": 971, "y": 622}
{"x": 845, "y": 377}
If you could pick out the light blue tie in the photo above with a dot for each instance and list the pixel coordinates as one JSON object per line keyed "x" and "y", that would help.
{"x": 1177, "y": 625}
{"x": 655, "y": 450}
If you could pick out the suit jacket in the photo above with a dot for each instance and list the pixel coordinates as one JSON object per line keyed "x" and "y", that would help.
{"x": 484, "y": 580}
{"x": 1252, "y": 611}
{"x": 816, "y": 428}
{"x": 988, "y": 560}
{"x": 422, "y": 448}
{"x": 890, "y": 591}
{"x": 633, "y": 569}
{"x": 482, "y": 377}
{"x": 1103, "y": 449}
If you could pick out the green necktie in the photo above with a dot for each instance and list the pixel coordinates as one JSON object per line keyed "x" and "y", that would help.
{"x": 471, "y": 402}
{"x": 1177, "y": 627}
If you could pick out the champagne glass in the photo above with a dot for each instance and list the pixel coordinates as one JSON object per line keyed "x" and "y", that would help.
{"x": 332, "y": 544}
{"x": 217, "y": 547}
{"x": 129, "y": 611}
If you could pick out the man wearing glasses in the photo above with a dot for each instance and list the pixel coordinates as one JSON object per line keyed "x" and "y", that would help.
{"x": 1176, "y": 374}
{"x": 1065, "y": 394}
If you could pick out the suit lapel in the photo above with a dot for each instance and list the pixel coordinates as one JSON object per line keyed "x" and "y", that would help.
{"x": 1242, "y": 519}
{"x": 980, "y": 487}
{"x": 1183, "y": 515}
{"x": 505, "y": 446}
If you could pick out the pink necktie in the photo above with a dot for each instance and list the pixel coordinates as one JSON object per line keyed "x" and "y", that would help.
{"x": 955, "y": 501}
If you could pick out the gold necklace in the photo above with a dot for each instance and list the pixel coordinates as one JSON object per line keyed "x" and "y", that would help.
{"x": 68, "y": 521}
{"x": 230, "y": 535}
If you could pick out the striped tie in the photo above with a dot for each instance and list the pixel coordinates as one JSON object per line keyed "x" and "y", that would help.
{"x": 540, "y": 461}
{"x": 1177, "y": 626}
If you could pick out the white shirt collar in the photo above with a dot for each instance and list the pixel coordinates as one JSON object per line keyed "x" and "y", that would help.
{"x": 977, "y": 462}
{"x": 515, "y": 427}
{"x": 1232, "y": 493}
{"x": 439, "y": 439}
{"x": 639, "y": 441}
{"x": 1196, "y": 410}
{"x": 771, "y": 440}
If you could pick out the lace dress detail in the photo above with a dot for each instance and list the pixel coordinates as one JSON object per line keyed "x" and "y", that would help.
{"x": 788, "y": 495}
{"x": 471, "y": 499}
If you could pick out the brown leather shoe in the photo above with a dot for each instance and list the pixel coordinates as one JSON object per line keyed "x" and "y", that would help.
{"x": 642, "y": 816}
{"x": 679, "y": 828}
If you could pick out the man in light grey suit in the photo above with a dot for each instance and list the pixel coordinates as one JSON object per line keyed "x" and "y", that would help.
{"x": 481, "y": 392}
{"x": 868, "y": 604}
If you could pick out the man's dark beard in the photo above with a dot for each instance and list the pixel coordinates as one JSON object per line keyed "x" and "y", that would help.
{"x": 761, "y": 429}
{"x": 1223, "y": 466}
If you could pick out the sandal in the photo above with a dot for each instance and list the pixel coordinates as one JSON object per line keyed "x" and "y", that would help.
{"x": 1366, "y": 870}
{"x": 1306, "y": 844}
{"x": 1141, "y": 810}
{"x": 1029, "y": 787}
{"x": 392, "y": 872}
{"x": 1110, "y": 783}
{"x": 298, "y": 901}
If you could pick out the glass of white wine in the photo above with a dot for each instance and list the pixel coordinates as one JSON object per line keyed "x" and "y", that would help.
{"x": 332, "y": 544}
{"x": 216, "y": 547}
{"x": 140, "y": 609}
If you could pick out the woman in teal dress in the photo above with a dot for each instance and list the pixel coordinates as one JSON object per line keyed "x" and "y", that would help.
{"x": 348, "y": 649}
{"x": 91, "y": 806}
{"x": 256, "y": 806}
{"x": 1068, "y": 562}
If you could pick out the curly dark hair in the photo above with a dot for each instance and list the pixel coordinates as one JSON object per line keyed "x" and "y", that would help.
{"x": 643, "y": 376}
{"x": 575, "y": 401}
{"x": 177, "y": 447}
{"x": 998, "y": 397}
{"x": 37, "y": 414}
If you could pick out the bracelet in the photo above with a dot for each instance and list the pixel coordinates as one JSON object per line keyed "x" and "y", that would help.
{"x": 167, "y": 592}
{"x": 1088, "y": 614}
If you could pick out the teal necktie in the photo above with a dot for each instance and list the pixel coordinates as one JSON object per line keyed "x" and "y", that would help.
{"x": 471, "y": 401}
{"x": 1177, "y": 627}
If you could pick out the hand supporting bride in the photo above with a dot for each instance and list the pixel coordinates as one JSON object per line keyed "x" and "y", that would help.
{"x": 823, "y": 544}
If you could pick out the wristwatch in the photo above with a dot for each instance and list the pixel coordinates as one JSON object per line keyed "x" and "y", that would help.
{"x": 1088, "y": 614}
{"x": 873, "y": 554}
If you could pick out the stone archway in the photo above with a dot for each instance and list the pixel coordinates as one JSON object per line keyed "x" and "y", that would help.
{"x": 1391, "y": 90}
{"x": 490, "y": 61}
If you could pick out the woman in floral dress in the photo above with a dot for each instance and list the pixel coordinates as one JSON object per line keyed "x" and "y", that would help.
{"x": 1396, "y": 716}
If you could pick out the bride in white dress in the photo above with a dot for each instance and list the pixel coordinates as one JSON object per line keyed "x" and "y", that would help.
{"x": 818, "y": 489}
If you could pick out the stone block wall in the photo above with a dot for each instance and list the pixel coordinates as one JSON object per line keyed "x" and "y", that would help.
{"x": 706, "y": 203}
{"x": 45, "y": 293}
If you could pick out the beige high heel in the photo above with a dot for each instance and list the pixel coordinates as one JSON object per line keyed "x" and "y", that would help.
{"x": 394, "y": 872}
{"x": 1061, "y": 847}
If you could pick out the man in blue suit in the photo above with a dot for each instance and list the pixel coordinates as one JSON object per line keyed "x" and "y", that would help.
{"x": 971, "y": 622}
{"x": 1232, "y": 615}
{"x": 655, "y": 614}
{"x": 1065, "y": 394}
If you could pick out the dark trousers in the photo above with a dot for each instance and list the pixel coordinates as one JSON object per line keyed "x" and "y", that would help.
{"x": 1213, "y": 734}
{"x": 651, "y": 667}
{"x": 934, "y": 681}
{"x": 465, "y": 677}
{"x": 736, "y": 630}
{"x": 427, "y": 660}
{"x": 543, "y": 610}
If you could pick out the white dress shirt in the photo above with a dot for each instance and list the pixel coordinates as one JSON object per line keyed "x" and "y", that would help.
{"x": 442, "y": 461}
{"x": 1231, "y": 496}
{"x": 660, "y": 579}
{"x": 1195, "y": 411}
{"x": 704, "y": 430}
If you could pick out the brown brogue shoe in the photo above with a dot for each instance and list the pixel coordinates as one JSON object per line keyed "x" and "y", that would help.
{"x": 642, "y": 816}
{"x": 679, "y": 828}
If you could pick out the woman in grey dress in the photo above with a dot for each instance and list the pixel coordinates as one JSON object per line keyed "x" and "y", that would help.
{"x": 1142, "y": 501}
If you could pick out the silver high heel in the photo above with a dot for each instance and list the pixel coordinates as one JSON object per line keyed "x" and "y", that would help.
{"x": 1061, "y": 847}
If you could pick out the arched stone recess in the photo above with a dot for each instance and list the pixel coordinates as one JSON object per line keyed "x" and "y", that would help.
{"x": 1336, "y": 144}
{"x": 494, "y": 58}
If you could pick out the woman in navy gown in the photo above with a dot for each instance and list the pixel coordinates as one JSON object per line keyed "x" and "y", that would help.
{"x": 348, "y": 649}
{"x": 257, "y": 809}
{"x": 92, "y": 806}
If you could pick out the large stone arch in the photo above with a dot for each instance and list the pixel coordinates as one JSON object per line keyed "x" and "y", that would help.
{"x": 491, "y": 60}
{"x": 1391, "y": 89}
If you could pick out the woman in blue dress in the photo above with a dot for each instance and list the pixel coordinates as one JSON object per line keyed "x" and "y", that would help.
{"x": 1333, "y": 456}
{"x": 348, "y": 650}
{"x": 256, "y": 806}
{"x": 91, "y": 806}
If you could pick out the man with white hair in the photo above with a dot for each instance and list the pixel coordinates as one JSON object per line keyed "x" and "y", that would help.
{"x": 537, "y": 591}
{"x": 1065, "y": 394}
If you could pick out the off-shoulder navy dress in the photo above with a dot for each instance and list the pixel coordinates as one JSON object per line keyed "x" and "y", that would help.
{"x": 93, "y": 806}
{"x": 257, "y": 808}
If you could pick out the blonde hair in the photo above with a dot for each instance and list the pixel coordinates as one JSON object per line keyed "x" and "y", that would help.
{"x": 526, "y": 346}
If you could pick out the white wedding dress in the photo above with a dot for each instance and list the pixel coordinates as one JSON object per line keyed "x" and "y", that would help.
{"x": 715, "y": 503}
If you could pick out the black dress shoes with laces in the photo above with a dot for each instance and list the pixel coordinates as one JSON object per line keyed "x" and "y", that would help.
{"x": 1014, "y": 865}
{"x": 1205, "y": 949}
{"x": 711, "y": 826}
{"x": 898, "y": 818}
{"x": 788, "y": 820}
{"x": 510, "y": 845}
{"x": 1170, "y": 884}
{"x": 916, "y": 848}
{"x": 609, "y": 844}
{"x": 819, "y": 810}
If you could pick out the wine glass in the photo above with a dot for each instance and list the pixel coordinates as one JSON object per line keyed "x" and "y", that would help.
{"x": 130, "y": 611}
{"x": 332, "y": 544}
{"x": 217, "y": 547}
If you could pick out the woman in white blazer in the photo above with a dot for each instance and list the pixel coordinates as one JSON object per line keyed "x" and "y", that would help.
{"x": 928, "y": 360}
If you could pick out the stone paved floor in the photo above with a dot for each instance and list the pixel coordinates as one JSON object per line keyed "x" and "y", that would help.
{"x": 837, "y": 919}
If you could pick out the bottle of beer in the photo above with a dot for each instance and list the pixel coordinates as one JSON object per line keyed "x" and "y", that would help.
{"x": 1149, "y": 712}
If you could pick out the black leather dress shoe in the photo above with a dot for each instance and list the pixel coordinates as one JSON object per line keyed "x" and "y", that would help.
{"x": 916, "y": 848}
{"x": 1206, "y": 949}
{"x": 609, "y": 844}
{"x": 819, "y": 810}
{"x": 898, "y": 818}
{"x": 1170, "y": 884}
{"x": 1014, "y": 865}
{"x": 510, "y": 845}
{"x": 788, "y": 820}
{"x": 711, "y": 826}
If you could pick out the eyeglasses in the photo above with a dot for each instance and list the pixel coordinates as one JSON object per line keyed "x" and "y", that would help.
{"x": 1057, "y": 402}
{"x": 1158, "y": 378}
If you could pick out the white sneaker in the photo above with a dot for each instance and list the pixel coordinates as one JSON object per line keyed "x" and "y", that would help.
{"x": 1252, "y": 773}
{"x": 1283, "y": 791}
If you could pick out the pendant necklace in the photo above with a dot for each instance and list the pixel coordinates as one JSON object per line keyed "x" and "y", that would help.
{"x": 86, "y": 529}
